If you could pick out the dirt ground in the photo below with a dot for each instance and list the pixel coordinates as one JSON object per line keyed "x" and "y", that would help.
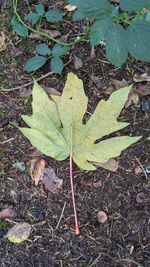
{"x": 123, "y": 240}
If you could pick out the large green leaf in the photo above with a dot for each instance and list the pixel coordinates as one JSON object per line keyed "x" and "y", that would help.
{"x": 138, "y": 39}
{"x": 19, "y": 28}
{"x": 92, "y": 9}
{"x": 134, "y": 5}
{"x": 34, "y": 63}
{"x": 99, "y": 30}
{"x": 116, "y": 50}
{"x": 57, "y": 129}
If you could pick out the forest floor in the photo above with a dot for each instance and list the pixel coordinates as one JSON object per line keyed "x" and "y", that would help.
{"x": 123, "y": 240}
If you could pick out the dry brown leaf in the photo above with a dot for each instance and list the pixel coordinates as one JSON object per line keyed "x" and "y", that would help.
{"x": 51, "y": 90}
{"x": 101, "y": 217}
{"x": 70, "y": 7}
{"x": 2, "y": 42}
{"x": 110, "y": 165}
{"x": 7, "y": 213}
{"x": 37, "y": 169}
{"x": 138, "y": 170}
{"x": 133, "y": 98}
{"x": 35, "y": 36}
{"x": 53, "y": 33}
{"x": 97, "y": 184}
{"x": 119, "y": 84}
{"x": 50, "y": 180}
{"x": 93, "y": 54}
{"x": 143, "y": 90}
{"x": 141, "y": 78}
{"x": 141, "y": 197}
{"x": 77, "y": 62}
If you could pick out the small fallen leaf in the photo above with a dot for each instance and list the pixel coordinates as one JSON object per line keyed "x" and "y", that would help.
{"x": 119, "y": 84}
{"x": 141, "y": 78}
{"x": 141, "y": 197}
{"x": 51, "y": 181}
{"x": 102, "y": 217}
{"x": 19, "y": 166}
{"x": 37, "y": 169}
{"x": 2, "y": 42}
{"x": 77, "y": 62}
{"x": 97, "y": 184}
{"x": 7, "y": 213}
{"x": 70, "y": 7}
{"x": 143, "y": 90}
{"x": 19, "y": 232}
{"x": 133, "y": 98}
{"x": 138, "y": 170}
{"x": 51, "y": 90}
{"x": 111, "y": 165}
{"x": 53, "y": 33}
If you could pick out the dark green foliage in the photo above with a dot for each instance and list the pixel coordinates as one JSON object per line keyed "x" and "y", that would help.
{"x": 43, "y": 49}
{"x": 19, "y": 28}
{"x": 53, "y": 15}
{"x": 34, "y": 63}
{"x": 57, "y": 65}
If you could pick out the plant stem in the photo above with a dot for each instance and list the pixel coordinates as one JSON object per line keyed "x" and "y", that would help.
{"x": 73, "y": 198}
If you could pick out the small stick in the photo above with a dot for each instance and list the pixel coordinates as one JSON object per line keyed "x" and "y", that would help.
{"x": 61, "y": 215}
{"x": 142, "y": 167}
{"x": 29, "y": 83}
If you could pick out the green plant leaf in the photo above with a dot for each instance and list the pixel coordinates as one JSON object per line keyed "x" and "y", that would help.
{"x": 43, "y": 49}
{"x": 57, "y": 65}
{"x": 148, "y": 138}
{"x": 138, "y": 39}
{"x": 40, "y": 9}
{"x": 116, "y": 51}
{"x": 34, "y": 63}
{"x": 99, "y": 30}
{"x": 59, "y": 50}
{"x": 53, "y": 15}
{"x": 96, "y": 9}
{"x": 57, "y": 130}
{"x": 134, "y": 5}
{"x": 19, "y": 232}
{"x": 19, "y": 28}
{"x": 32, "y": 17}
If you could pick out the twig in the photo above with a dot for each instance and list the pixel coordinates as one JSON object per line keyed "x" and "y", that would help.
{"x": 61, "y": 215}
{"x": 29, "y": 83}
{"x": 142, "y": 167}
{"x": 129, "y": 261}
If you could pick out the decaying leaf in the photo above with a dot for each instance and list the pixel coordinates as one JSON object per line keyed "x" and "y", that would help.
{"x": 111, "y": 165}
{"x": 119, "y": 84}
{"x": 70, "y": 7}
{"x": 143, "y": 90}
{"x": 57, "y": 130}
{"x": 101, "y": 217}
{"x": 138, "y": 170}
{"x": 141, "y": 197}
{"x": 133, "y": 98}
{"x": 2, "y": 41}
{"x": 77, "y": 62}
{"x": 53, "y": 33}
{"x": 141, "y": 78}
{"x": 19, "y": 232}
{"x": 51, "y": 181}
{"x": 37, "y": 169}
{"x": 51, "y": 90}
{"x": 7, "y": 213}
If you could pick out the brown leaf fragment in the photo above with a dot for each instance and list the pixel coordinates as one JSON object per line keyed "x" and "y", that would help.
{"x": 53, "y": 33}
{"x": 37, "y": 169}
{"x": 101, "y": 217}
{"x": 119, "y": 84}
{"x": 50, "y": 180}
{"x": 7, "y": 213}
{"x": 133, "y": 98}
{"x": 51, "y": 90}
{"x": 97, "y": 184}
{"x": 77, "y": 62}
{"x": 2, "y": 41}
{"x": 141, "y": 78}
{"x": 141, "y": 197}
{"x": 138, "y": 170}
{"x": 110, "y": 165}
{"x": 143, "y": 90}
{"x": 93, "y": 54}
{"x": 35, "y": 36}
{"x": 70, "y": 7}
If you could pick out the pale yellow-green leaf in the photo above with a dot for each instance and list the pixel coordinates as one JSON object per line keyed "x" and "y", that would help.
{"x": 57, "y": 129}
{"x": 19, "y": 232}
